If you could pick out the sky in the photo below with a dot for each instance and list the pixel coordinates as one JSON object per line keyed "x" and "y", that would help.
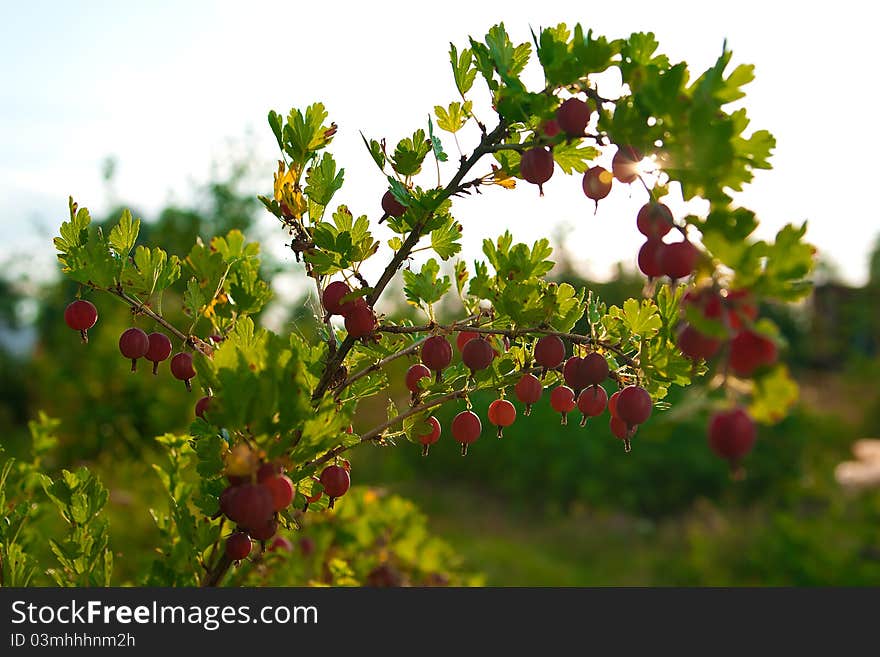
{"x": 164, "y": 86}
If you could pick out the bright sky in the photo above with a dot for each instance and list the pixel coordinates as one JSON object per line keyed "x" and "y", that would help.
{"x": 163, "y": 86}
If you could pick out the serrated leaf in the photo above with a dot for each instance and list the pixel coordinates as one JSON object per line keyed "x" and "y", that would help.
{"x": 454, "y": 117}
{"x": 462, "y": 69}
{"x": 124, "y": 234}
{"x": 641, "y": 318}
{"x": 446, "y": 240}
{"x": 153, "y": 271}
{"x": 323, "y": 181}
{"x": 409, "y": 154}
{"x": 425, "y": 288}
{"x": 572, "y": 157}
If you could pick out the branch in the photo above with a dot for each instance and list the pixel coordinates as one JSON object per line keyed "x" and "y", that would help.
{"x": 335, "y": 360}
{"x": 377, "y": 433}
{"x": 190, "y": 340}
{"x": 516, "y": 332}
{"x": 412, "y": 348}
{"x": 218, "y": 571}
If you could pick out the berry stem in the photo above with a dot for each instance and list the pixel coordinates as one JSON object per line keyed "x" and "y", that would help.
{"x": 376, "y": 433}
{"x": 406, "y": 351}
{"x": 191, "y": 340}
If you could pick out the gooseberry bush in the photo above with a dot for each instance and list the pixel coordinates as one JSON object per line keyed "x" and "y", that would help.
{"x": 273, "y": 412}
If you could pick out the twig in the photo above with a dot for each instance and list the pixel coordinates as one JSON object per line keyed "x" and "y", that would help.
{"x": 377, "y": 432}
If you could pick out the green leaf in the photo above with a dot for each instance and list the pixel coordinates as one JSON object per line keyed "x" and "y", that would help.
{"x": 305, "y": 133}
{"x": 276, "y": 122}
{"x": 376, "y": 152}
{"x": 572, "y": 158}
{"x": 73, "y": 233}
{"x": 409, "y": 154}
{"x": 194, "y": 299}
{"x": 641, "y": 319}
{"x": 323, "y": 181}
{"x": 446, "y": 240}
{"x": 153, "y": 271}
{"x": 453, "y": 118}
{"x": 462, "y": 69}
{"x": 425, "y": 288}
{"x": 439, "y": 153}
{"x": 774, "y": 395}
{"x": 124, "y": 234}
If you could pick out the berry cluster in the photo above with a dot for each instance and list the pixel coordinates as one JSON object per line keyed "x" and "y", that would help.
{"x": 744, "y": 351}
{"x": 629, "y": 407}
{"x": 253, "y": 501}
{"x": 360, "y": 320}
{"x": 134, "y": 343}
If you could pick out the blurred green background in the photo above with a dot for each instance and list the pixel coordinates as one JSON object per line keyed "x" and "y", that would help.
{"x": 547, "y": 504}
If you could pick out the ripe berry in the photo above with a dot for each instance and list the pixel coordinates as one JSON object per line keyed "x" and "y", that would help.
{"x": 649, "y": 258}
{"x": 466, "y": 428}
{"x": 307, "y": 546}
{"x": 264, "y": 531}
{"x": 654, "y": 220}
{"x": 159, "y": 349}
{"x": 740, "y": 305}
{"x": 573, "y": 116}
{"x": 749, "y": 351}
{"x": 281, "y": 544}
{"x": 477, "y": 355}
{"x": 549, "y": 352}
{"x": 360, "y": 321}
{"x": 225, "y": 499}
{"x": 595, "y": 368}
{"x": 133, "y": 343}
{"x": 612, "y": 403}
{"x": 251, "y": 506}
{"x": 182, "y": 368}
{"x": 502, "y": 414}
{"x": 582, "y": 372}
{"x": 550, "y": 128}
{"x": 437, "y": 354}
{"x": 336, "y": 481}
{"x": 528, "y": 390}
{"x": 415, "y": 374}
{"x": 392, "y": 206}
{"x": 238, "y": 546}
{"x": 332, "y": 298}
{"x": 705, "y": 300}
{"x": 731, "y": 434}
{"x": 464, "y": 337}
{"x": 695, "y": 345}
{"x": 281, "y": 488}
{"x": 574, "y": 373}
{"x": 591, "y": 402}
{"x": 634, "y": 405}
{"x": 536, "y": 166}
{"x": 202, "y": 407}
{"x": 81, "y": 315}
{"x": 429, "y": 439}
{"x": 597, "y": 183}
{"x": 620, "y": 430}
{"x": 562, "y": 401}
{"x": 624, "y": 165}
{"x": 267, "y": 471}
{"x": 678, "y": 260}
